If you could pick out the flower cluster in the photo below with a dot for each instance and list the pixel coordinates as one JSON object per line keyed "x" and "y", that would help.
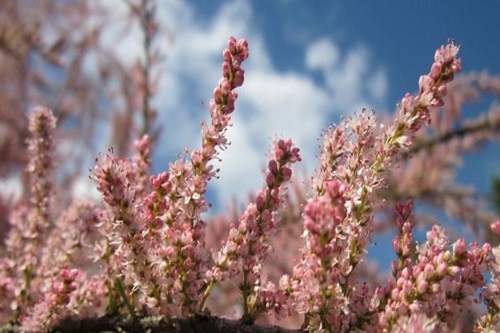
{"x": 403, "y": 243}
{"x": 178, "y": 197}
{"x": 356, "y": 153}
{"x": 316, "y": 285}
{"x": 54, "y": 305}
{"x": 414, "y": 111}
{"x": 142, "y": 161}
{"x": 148, "y": 235}
{"x": 248, "y": 244}
{"x": 490, "y": 322}
{"x": 430, "y": 175}
{"x": 40, "y": 147}
{"x": 437, "y": 282}
{"x": 21, "y": 271}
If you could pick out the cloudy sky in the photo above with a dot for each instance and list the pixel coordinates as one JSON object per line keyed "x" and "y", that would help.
{"x": 310, "y": 63}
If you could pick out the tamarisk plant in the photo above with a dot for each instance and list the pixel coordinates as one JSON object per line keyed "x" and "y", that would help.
{"x": 148, "y": 237}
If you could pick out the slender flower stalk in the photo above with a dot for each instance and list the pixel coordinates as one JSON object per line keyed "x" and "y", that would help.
{"x": 12, "y": 278}
{"x": 322, "y": 216}
{"x": 89, "y": 299}
{"x": 412, "y": 113}
{"x": 333, "y": 150}
{"x": 403, "y": 243}
{"x": 357, "y": 155}
{"x": 115, "y": 179}
{"x": 7, "y": 291}
{"x": 142, "y": 164}
{"x": 145, "y": 10}
{"x": 437, "y": 281}
{"x": 33, "y": 231}
{"x": 248, "y": 244}
{"x": 41, "y": 147}
{"x": 183, "y": 259}
{"x": 70, "y": 238}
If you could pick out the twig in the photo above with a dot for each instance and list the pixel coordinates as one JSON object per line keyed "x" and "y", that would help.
{"x": 121, "y": 291}
{"x": 488, "y": 123}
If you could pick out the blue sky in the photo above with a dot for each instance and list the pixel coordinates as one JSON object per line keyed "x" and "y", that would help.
{"x": 398, "y": 33}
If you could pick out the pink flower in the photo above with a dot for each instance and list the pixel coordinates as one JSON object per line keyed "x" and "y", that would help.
{"x": 142, "y": 163}
{"x": 54, "y": 304}
{"x": 177, "y": 200}
{"x": 248, "y": 243}
{"x": 495, "y": 227}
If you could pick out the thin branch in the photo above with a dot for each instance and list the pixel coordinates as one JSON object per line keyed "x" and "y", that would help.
{"x": 147, "y": 21}
{"x": 487, "y": 123}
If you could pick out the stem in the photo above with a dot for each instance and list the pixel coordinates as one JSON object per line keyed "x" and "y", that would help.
{"x": 121, "y": 291}
{"x": 206, "y": 293}
{"x": 245, "y": 293}
{"x": 111, "y": 307}
{"x": 324, "y": 322}
{"x": 145, "y": 13}
{"x": 477, "y": 126}
{"x": 147, "y": 20}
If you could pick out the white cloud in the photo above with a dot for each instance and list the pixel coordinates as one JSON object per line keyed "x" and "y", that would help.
{"x": 322, "y": 54}
{"x": 241, "y": 167}
{"x": 345, "y": 80}
{"x": 272, "y": 102}
{"x": 377, "y": 86}
{"x": 12, "y": 187}
{"x": 84, "y": 188}
{"x": 286, "y": 104}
